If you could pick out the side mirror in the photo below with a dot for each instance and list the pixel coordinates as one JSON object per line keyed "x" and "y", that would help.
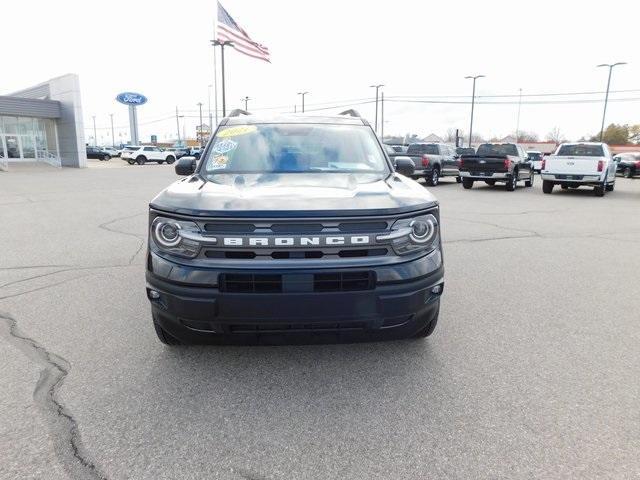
{"x": 186, "y": 166}
{"x": 404, "y": 166}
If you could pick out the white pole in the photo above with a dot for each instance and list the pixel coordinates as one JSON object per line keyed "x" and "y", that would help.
{"x": 215, "y": 74}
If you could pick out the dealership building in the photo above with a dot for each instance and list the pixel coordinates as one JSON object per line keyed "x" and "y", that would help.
{"x": 43, "y": 123}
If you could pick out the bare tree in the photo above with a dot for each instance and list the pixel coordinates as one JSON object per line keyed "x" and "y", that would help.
{"x": 556, "y": 136}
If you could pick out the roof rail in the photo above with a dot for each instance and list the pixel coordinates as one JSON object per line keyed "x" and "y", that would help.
{"x": 237, "y": 112}
{"x": 351, "y": 112}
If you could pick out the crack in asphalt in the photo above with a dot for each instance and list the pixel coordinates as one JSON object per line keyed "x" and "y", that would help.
{"x": 63, "y": 426}
{"x": 141, "y": 239}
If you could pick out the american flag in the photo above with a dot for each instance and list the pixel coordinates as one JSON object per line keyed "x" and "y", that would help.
{"x": 229, "y": 30}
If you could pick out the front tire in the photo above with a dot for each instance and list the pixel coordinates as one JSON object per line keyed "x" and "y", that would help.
{"x": 170, "y": 159}
{"x": 611, "y": 186}
{"x": 627, "y": 172}
{"x": 467, "y": 183}
{"x": 458, "y": 179}
{"x": 434, "y": 178}
{"x": 141, "y": 160}
{"x": 547, "y": 186}
{"x": 599, "y": 190}
{"x": 160, "y": 162}
{"x": 106, "y": 158}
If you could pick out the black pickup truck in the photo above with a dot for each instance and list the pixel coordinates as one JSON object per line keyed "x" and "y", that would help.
{"x": 494, "y": 163}
{"x": 298, "y": 226}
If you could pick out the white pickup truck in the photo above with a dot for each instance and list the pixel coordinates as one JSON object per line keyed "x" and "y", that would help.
{"x": 580, "y": 164}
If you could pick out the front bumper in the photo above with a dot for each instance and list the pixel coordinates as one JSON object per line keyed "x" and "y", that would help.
{"x": 407, "y": 300}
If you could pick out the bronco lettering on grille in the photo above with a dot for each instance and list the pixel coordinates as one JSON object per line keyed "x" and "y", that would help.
{"x": 296, "y": 241}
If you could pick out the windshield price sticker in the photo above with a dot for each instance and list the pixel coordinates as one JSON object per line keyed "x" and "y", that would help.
{"x": 224, "y": 146}
{"x": 235, "y": 131}
{"x": 220, "y": 161}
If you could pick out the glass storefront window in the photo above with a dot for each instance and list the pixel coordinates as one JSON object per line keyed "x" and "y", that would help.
{"x": 27, "y": 138}
{"x": 10, "y": 124}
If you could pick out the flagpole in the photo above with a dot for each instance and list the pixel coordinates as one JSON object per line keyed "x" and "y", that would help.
{"x": 215, "y": 71}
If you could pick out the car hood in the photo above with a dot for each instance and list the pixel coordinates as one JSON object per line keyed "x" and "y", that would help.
{"x": 289, "y": 194}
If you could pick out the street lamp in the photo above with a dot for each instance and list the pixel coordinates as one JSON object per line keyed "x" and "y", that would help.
{"x": 95, "y": 135}
{"x": 377, "y": 87}
{"x": 473, "y": 101}
{"x": 303, "y": 94}
{"x": 201, "y": 130}
{"x": 210, "y": 117}
{"x": 606, "y": 98}
{"x": 222, "y": 44}
{"x": 246, "y": 103}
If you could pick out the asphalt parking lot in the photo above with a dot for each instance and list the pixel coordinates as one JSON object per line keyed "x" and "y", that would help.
{"x": 532, "y": 372}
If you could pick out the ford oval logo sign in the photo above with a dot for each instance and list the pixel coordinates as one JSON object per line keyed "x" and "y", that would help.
{"x": 131, "y": 98}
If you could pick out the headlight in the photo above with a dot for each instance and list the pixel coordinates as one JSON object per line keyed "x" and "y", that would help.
{"x": 170, "y": 236}
{"x": 409, "y": 235}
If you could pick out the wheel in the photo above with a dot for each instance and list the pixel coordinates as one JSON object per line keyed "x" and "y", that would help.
{"x": 106, "y": 157}
{"x": 599, "y": 190}
{"x": 529, "y": 183}
{"x": 164, "y": 337}
{"x": 434, "y": 178}
{"x": 458, "y": 179}
{"x": 610, "y": 186}
{"x": 564, "y": 187}
{"x": 160, "y": 162}
{"x": 467, "y": 183}
{"x": 427, "y": 330}
{"x": 626, "y": 173}
{"x": 512, "y": 182}
{"x": 170, "y": 159}
{"x": 490, "y": 182}
{"x": 131, "y": 162}
{"x": 141, "y": 160}
{"x": 547, "y": 186}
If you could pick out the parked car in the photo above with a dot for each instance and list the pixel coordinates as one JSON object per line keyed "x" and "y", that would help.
{"x": 628, "y": 164}
{"x": 580, "y": 164}
{"x": 399, "y": 148}
{"x": 143, "y": 154}
{"x": 195, "y": 152}
{"x": 113, "y": 152}
{"x": 394, "y": 155}
{"x": 181, "y": 152}
{"x": 493, "y": 163}
{"x": 96, "y": 152}
{"x": 256, "y": 236}
{"x": 433, "y": 161}
{"x": 535, "y": 157}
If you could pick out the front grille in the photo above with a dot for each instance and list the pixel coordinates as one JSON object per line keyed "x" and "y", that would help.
{"x": 296, "y": 254}
{"x": 278, "y": 283}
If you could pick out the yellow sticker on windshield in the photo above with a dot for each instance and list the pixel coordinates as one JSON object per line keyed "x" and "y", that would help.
{"x": 220, "y": 161}
{"x": 235, "y": 131}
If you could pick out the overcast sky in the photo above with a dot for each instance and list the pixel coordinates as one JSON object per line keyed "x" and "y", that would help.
{"x": 335, "y": 50}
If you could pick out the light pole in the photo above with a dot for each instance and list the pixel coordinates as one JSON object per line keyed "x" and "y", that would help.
{"x": 518, "y": 120}
{"x": 178, "y": 126}
{"x": 606, "y": 98}
{"x": 222, "y": 44}
{"x": 382, "y": 116}
{"x": 303, "y": 94}
{"x": 95, "y": 135}
{"x": 473, "y": 101}
{"x": 246, "y": 103}
{"x": 200, "y": 107}
{"x": 210, "y": 117}
{"x": 113, "y": 137}
{"x": 377, "y": 87}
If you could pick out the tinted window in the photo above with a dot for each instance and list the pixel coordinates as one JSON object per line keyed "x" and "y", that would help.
{"x": 148, "y": 149}
{"x": 535, "y": 156}
{"x": 295, "y": 148}
{"x": 421, "y": 149}
{"x": 581, "y": 151}
{"x": 489, "y": 149}
{"x": 132, "y": 149}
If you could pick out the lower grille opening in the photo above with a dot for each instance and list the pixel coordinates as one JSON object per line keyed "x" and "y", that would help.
{"x": 296, "y": 327}
{"x": 308, "y": 254}
{"x": 229, "y": 254}
{"x": 343, "y": 281}
{"x": 249, "y": 283}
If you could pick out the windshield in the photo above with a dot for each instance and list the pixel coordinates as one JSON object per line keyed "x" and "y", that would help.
{"x": 580, "y": 151}
{"x": 295, "y": 148}
{"x": 421, "y": 149}
{"x": 489, "y": 149}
